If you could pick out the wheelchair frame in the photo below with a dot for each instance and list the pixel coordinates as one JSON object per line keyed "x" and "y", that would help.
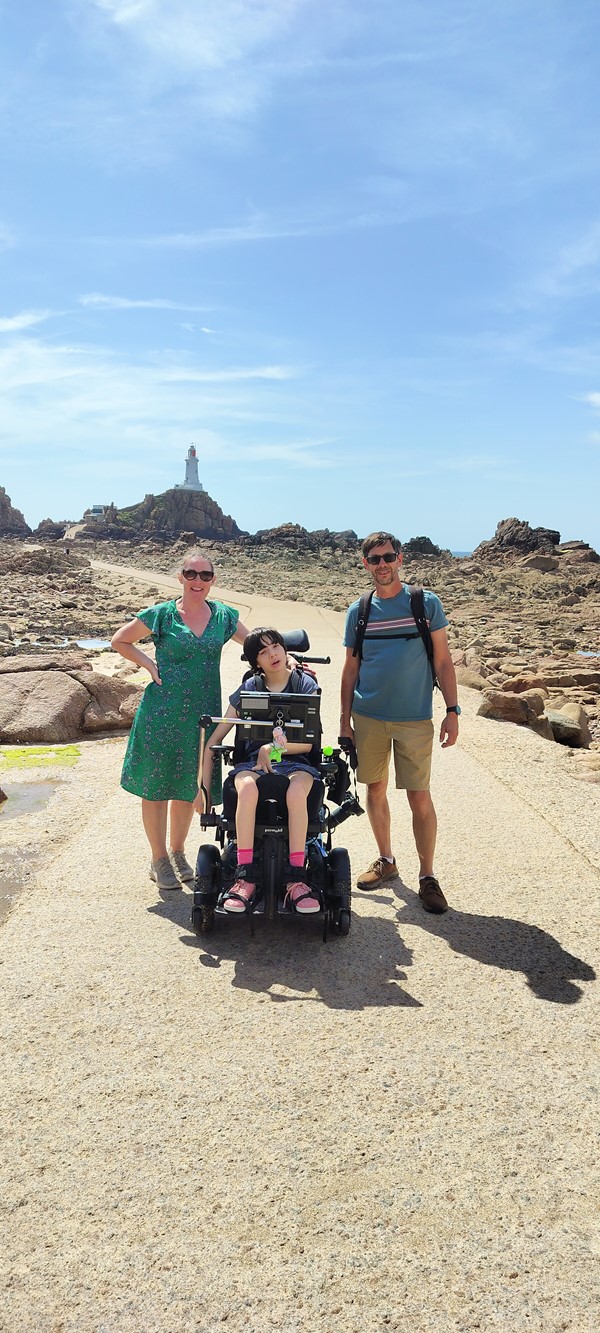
{"x": 328, "y": 868}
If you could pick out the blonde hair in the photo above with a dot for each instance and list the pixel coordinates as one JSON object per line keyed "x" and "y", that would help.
{"x": 194, "y": 554}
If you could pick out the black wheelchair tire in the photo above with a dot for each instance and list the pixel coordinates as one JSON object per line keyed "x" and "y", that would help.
{"x": 343, "y": 924}
{"x": 203, "y": 919}
{"x": 340, "y": 897}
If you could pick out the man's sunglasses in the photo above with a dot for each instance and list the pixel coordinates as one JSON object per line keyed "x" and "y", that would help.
{"x": 388, "y": 557}
{"x": 205, "y": 574}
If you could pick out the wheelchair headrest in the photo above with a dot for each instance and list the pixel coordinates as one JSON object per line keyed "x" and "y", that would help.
{"x": 296, "y": 640}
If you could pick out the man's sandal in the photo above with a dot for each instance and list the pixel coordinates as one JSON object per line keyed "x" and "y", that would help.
{"x": 301, "y": 898}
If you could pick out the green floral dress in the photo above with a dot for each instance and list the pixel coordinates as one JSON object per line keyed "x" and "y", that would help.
{"x": 161, "y": 762}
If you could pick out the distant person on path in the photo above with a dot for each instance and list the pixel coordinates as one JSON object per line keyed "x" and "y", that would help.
{"x": 161, "y": 762}
{"x": 387, "y": 703}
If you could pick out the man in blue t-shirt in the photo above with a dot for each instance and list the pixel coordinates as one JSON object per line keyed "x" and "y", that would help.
{"x": 387, "y": 704}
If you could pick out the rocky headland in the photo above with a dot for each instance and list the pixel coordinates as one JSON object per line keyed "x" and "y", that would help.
{"x": 523, "y": 609}
{"x": 12, "y": 523}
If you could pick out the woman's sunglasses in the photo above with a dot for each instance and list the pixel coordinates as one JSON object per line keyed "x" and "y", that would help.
{"x": 388, "y": 557}
{"x": 205, "y": 574}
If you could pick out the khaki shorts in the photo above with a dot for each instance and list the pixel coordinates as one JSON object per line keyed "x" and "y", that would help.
{"x": 412, "y": 743}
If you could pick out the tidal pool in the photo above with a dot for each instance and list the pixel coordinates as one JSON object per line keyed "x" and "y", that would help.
{"x": 25, "y": 798}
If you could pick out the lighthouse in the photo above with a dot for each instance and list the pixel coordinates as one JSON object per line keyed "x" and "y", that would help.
{"x": 191, "y": 482}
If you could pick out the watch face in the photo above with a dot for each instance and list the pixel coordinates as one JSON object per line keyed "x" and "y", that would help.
{"x": 456, "y": 709}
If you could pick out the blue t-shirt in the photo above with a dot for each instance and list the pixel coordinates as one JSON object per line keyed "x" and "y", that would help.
{"x": 394, "y": 682}
{"x": 305, "y": 685}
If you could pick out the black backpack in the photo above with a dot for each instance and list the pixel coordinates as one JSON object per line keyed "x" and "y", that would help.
{"x": 417, "y": 606}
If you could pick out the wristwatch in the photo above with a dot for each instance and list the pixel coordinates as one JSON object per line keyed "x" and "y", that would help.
{"x": 454, "y": 708}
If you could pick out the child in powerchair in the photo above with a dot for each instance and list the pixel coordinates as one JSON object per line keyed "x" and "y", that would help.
{"x": 266, "y": 653}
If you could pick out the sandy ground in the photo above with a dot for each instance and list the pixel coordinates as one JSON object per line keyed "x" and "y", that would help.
{"x": 398, "y": 1130}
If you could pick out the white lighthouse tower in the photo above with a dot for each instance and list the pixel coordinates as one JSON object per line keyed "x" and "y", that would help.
{"x": 191, "y": 482}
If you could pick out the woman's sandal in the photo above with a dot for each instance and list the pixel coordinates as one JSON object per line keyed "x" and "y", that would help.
{"x": 241, "y": 894}
{"x": 302, "y": 898}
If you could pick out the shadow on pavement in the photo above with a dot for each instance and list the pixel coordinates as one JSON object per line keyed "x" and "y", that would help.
{"x": 503, "y": 942}
{"x": 362, "y": 970}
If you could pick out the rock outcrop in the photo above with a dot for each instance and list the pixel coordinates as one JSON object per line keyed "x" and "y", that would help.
{"x": 164, "y": 517}
{"x": 48, "y": 530}
{"x": 292, "y": 536}
{"x": 417, "y": 546}
{"x": 12, "y": 523}
{"x": 514, "y": 537}
{"x": 58, "y": 697}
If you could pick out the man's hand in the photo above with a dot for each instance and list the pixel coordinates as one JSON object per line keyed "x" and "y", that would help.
{"x": 449, "y": 731}
{"x": 346, "y": 729}
{"x": 263, "y": 760}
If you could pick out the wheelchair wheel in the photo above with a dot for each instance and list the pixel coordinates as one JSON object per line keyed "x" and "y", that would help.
{"x": 203, "y": 920}
{"x": 344, "y": 922}
{"x": 207, "y": 884}
{"x": 340, "y": 889}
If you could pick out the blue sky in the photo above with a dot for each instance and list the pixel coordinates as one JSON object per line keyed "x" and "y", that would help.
{"x": 351, "y": 250}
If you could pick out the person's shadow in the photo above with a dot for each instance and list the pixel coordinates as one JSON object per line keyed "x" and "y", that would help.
{"x": 500, "y": 941}
{"x": 365, "y": 968}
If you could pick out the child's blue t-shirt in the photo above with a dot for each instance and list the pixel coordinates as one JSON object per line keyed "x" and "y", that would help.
{"x": 394, "y": 682}
{"x": 306, "y": 685}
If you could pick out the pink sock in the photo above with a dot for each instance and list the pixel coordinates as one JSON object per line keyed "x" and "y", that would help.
{"x": 296, "y": 859}
{"x": 244, "y": 856}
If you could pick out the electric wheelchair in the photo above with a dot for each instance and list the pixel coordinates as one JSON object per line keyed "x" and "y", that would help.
{"x": 330, "y": 802}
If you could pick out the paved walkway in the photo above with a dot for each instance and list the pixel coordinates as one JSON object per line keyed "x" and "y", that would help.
{"x": 394, "y": 1131}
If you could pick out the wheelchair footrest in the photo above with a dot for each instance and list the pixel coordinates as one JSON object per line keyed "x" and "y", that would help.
{"x": 258, "y": 909}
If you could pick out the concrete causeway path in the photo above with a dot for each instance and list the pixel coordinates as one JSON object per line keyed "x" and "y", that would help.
{"x": 394, "y": 1131}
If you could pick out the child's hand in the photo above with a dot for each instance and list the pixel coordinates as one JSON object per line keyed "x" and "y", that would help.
{"x": 263, "y": 759}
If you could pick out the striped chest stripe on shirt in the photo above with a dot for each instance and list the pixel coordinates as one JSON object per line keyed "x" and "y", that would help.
{"x": 405, "y": 624}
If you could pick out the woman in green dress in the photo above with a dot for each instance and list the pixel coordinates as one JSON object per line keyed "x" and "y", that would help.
{"x": 161, "y": 763}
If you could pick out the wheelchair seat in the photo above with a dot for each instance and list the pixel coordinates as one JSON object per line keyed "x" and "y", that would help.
{"x": 272, "y": 787}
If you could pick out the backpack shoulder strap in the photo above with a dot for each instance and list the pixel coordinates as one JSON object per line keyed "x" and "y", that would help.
{"x": 417, "y": 606}
{"x": 364, "y": 608}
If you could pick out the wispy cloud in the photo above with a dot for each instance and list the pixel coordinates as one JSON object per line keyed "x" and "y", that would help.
{"x": 25, "y": 320}
{"x": 209, "y": 36}
{"x": 181, "y": 375}
{"x": 111, "y": 403}
{"x": 574, "y": 270}
{"x": 265, "y": 229}
{"x": 293, "y": 453}
{"x": 100, "y": 302}
{"x": 191, "y": 328}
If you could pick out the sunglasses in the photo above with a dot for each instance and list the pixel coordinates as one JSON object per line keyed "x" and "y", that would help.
{"x": 205, "y": 574}
{"x": 388, "y": 558}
